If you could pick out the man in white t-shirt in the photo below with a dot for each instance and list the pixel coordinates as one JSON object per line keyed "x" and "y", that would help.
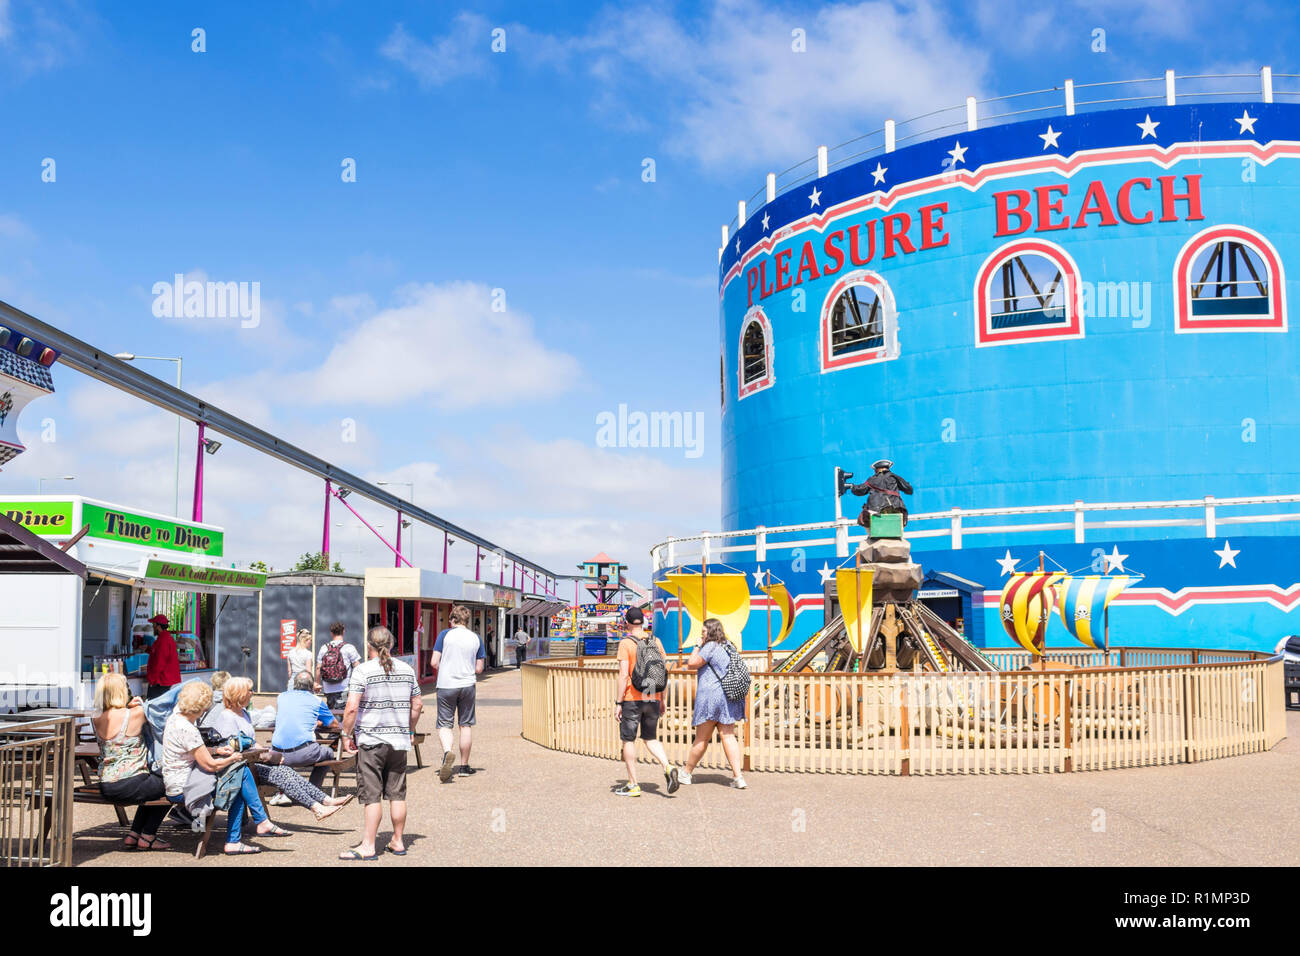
{"x": 458, "y": 657}
{"x": 334, "y": 665}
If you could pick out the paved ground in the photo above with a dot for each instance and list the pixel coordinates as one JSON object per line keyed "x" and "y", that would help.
{"x": 528, "y": 805}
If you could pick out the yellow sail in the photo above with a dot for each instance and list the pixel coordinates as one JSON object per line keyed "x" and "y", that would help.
{"x": 726, "y": 594}
{"x": 1026, "y": 605}
{"x": 853, "y": 585}
{"x": 781, "y": 595}
{"x": 672, "y": 582}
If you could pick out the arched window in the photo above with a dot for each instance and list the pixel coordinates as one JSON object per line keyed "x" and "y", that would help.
{"x": 859, "y": 322}
{"x": 1229, "y": 279}
{"x": 756, "y": 371}
{"x": 1027, "y": 291}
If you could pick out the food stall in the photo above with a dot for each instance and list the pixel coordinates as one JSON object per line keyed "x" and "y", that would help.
{"x": 138, "y": 564}
{"x": 415, "y": 604}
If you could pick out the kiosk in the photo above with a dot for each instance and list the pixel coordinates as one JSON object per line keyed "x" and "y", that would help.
{"x": 137, "y": 564}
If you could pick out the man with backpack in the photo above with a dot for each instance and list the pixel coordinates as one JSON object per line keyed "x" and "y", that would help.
{"x": 642, "y": 677}
{"x": 334, "y": 666}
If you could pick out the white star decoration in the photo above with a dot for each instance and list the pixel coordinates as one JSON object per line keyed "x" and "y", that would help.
{"x": 825, "y": 572}
{"x": 1148, "y": 127}
{"x": 758, "y": 578}
{"x": 1008, "y": 563}
{"x": 765, "y": 221}
{"x": 1246, "y": 122}
{"x": 878, "y": 174}
{"x": 958, "y": 153}
{"x": 815, "y": 197}
{"x": 1114, "y": 560}
{"x": 1228, "y": 556}
{"x": 1050, "y": 137}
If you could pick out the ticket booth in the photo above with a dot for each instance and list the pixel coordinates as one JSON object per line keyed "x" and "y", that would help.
{"x": 415, "y": 604}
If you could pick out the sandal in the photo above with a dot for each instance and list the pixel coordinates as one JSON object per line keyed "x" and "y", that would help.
{"x": 130, "y": 842}
{"x": 243, "y": 849}
{"x": 153, "y": 844}
{"x": 327, "y": 811}
{"x": 393, "y": 850}
{"x": 275, "y": 832}
{"x": 353, "y": 855}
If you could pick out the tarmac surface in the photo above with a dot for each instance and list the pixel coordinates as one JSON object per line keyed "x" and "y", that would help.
{"x": 531, "y": 806}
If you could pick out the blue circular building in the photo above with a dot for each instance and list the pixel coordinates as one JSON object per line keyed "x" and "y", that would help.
{"x": 1065, "y": 318}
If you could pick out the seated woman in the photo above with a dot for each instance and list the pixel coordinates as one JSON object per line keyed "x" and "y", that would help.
{"x": 124, "y": 776}
{"x": 186, "y": 760}
{"x": 218, "y": 683}
{"x": 233, "y": 721}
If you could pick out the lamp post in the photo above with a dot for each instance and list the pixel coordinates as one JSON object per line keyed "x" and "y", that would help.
{"x": 132, "y": 357}
{"x": 40, "y": 486}
{"x": 410, "y": 496}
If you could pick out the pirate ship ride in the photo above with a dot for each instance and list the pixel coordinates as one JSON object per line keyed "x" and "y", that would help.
{"x": 875, "y": 624}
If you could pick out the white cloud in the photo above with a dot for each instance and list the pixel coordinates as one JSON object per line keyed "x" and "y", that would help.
{"x": 727, "y": 88}
{"x": 459, "y": 53}
{"x": 441, "y": 342}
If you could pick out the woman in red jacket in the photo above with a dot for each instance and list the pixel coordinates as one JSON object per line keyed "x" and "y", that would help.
{"x": 164, "y": 669}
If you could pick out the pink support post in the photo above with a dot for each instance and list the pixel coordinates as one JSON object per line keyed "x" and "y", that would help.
{"x": 478, "y": 555}
{"x": 502, "y": 582}
{"x": 444, "y": 552}
{"x": 343, "y": 501}
{"x": 397, "y": 561}
{"x": 514, "y": 575}
{"x": 325, "y": 535}
{"x": 197, "y": 511}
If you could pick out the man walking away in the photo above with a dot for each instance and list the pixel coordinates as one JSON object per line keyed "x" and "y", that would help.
{"x": 521, "y": 647}
{"x": 642, "y": 676}
{"x": 458, "y": 656}
{"x": 334, "y": 666}
{"x": 383, "y": 709}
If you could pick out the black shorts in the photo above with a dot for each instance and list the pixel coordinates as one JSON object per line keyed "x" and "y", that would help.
{"x": 381, "y": 772}
{"x": 643, "y": 712}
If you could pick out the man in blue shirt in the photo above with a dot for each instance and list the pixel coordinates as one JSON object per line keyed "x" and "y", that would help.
{"x": 297, "y": 712}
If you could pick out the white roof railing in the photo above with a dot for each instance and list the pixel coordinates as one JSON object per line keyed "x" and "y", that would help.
{"x": 957, "y": 524}
{"x": 973, "y": 114}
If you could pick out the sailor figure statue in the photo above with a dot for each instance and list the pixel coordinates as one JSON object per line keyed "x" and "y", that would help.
{"x": 883, "y": 493}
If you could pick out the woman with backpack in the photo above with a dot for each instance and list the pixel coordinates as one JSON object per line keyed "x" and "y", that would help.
{"x": 720, "y": 680}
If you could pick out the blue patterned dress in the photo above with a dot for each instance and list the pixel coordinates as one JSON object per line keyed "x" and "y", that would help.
{"x": 710, "y": 701}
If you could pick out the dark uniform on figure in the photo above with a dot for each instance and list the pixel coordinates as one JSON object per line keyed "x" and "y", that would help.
{"x": 882, "y": 491}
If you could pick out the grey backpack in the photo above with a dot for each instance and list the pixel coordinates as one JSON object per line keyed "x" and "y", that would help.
{"x": 650, "y": 675}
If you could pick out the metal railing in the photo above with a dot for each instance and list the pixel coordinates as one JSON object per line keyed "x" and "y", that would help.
{"x": 36, "y": 781}
{"x": 975, "y": 114}
{"x": 957, "y": 524}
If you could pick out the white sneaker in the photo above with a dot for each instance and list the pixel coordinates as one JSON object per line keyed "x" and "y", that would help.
{"x": 683, "y": 777}
{"x": 739, "y": 783}
{"x": 280, "y": 800}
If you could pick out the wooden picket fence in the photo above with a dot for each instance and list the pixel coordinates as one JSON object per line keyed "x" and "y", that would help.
{"x": 1162, "y": 706}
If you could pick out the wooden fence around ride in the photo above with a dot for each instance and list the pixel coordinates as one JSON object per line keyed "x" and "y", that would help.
{"x": 1161, "y": 707}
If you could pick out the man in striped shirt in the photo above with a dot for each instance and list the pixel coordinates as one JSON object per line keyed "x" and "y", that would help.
{"x": 383, "y": 709}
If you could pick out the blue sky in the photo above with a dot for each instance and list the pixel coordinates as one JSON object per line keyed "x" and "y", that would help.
{"x": 476, "y": 171}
